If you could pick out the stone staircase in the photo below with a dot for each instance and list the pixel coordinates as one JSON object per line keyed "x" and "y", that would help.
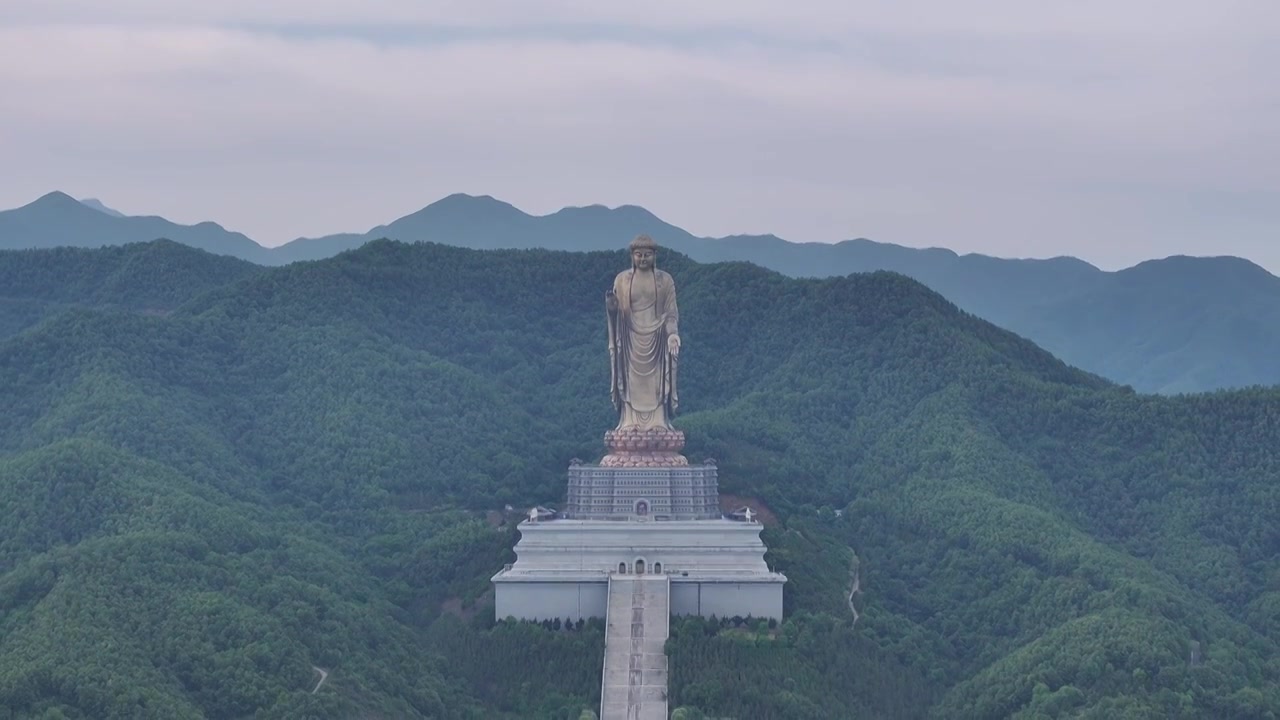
{"x": 634, "y": 679}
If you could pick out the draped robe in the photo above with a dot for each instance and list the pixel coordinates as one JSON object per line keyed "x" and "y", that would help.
{"x": 643, "y": 371}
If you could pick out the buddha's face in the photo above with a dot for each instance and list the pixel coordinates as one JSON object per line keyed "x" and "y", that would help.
{"x": 642, "y": 258}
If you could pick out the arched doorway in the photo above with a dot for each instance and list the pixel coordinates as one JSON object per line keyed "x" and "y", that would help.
{"x": 640, "y": 566}
{"x": 622, "y": 568}
{"x": 657, "y": 568}
{"x": 642, "y": 507}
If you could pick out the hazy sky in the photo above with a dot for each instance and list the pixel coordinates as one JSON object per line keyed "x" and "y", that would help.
{"x": 1113, "y": 130}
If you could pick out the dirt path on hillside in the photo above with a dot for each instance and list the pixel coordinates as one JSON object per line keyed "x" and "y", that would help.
{"x": 855, "y": 587}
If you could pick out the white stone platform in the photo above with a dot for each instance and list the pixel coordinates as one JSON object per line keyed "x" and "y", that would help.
{"x": 562, "y": 568}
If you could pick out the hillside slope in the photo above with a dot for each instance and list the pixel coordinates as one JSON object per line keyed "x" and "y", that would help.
{"x": 1180, "y": 324}
{"x": 1174, "y": 325}
{"x": 152, "y": 278}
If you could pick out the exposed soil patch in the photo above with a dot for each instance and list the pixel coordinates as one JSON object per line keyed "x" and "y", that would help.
{"x": 453, "y": 606}
{"x": 729, "y": 503}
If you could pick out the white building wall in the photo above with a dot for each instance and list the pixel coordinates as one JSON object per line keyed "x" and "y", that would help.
{"x": 685, "y": 599}
{"x": 727, "y": 599}
{"x": 574, "y": 600}
{"x": 758, "y": 600}
{"x": 550, "y": 600}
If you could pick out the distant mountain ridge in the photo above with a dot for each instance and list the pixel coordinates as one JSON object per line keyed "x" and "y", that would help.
{"x": 96, "y": 204}
{"x": 1179, "y": 324}
{"x": 57, "y": 220}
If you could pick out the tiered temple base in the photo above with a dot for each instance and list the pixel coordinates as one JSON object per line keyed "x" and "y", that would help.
{"x": 643, "y": 477}
{"x": 597, "y": 492}
{"x": 562, "y": 568}
{"x": 642, "y": 510}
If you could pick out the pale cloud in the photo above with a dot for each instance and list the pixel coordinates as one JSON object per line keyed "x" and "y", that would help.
{"x": 1114, "y": 131}
{"x": 1108, "y": 18}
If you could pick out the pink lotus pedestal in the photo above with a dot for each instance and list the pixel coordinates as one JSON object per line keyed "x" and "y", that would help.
{"x": 653, "y": 447}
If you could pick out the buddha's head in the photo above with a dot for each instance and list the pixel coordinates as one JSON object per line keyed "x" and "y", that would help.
{"x": 644, "y": 252}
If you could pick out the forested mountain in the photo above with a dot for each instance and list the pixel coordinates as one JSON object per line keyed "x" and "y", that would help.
{"x": 152, "y": 278}
{"x": 303, "y": 467}
{"x": 58, "y": 220}
{"x": 1175, "y": 325}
